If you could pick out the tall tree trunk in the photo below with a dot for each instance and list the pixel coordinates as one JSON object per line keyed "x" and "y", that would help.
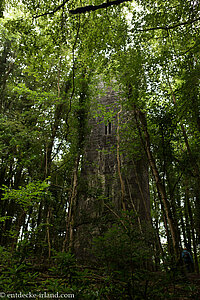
{"x": 182, "y": 222}
{"x": 48, "y": 234}
{"x": 194, "y": 165}
{"x": 142, "y": 125}
{"x": 68, "y": 240}
{"x": 119, "y": 163}
{"x": 189, "y": 210}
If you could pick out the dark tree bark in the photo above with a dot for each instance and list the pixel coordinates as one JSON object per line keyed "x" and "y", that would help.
{"x": 142, "y": 127}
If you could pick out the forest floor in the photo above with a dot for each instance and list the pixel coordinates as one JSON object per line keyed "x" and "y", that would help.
{"x": 90, "y": 283}
{"x": 185, "y": 289}
{"x": 162, "y": 286}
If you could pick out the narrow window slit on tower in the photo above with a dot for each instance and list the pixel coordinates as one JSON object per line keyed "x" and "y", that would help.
{"x": 106, "y": 129}
{"x": 109, "y": 127}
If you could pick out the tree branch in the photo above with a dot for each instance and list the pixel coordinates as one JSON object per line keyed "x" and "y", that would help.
{"x": 169, "y": 27}
{"x": 53, "y": 11}
{"x": 84, "y": 9}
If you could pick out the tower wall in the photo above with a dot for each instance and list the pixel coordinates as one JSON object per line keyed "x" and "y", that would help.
{"x": 100, "y": 194}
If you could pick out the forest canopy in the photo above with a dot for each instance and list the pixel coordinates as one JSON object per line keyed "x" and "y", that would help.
{"x": 54, "y": 55}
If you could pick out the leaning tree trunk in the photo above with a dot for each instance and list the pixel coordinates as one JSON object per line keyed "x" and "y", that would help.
{"x": 142, "y": 126}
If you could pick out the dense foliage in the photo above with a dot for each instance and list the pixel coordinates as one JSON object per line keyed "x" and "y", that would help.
{"x": 52, "y": 56}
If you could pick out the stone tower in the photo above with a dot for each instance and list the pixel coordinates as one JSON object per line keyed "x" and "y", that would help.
{"x": 110, "y": 180}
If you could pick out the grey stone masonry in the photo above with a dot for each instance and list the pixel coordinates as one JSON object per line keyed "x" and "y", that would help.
{"x": 100, "y": 192}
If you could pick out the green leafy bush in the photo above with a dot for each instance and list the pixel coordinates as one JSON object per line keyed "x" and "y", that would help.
{"x": 125, "y": 254}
